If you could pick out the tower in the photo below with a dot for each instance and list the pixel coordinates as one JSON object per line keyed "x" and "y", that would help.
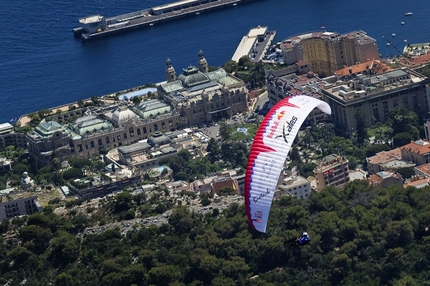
{"x": 170, "y": 71}
{"x": 203, "y": 64}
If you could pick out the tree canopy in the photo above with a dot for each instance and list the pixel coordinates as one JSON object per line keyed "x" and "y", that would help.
{"x": 360, "y": 235}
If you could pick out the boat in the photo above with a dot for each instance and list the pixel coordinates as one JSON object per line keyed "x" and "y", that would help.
{"x": 402, "y": 23}
{"x": 409, "y": 14}
{"x": 388, "y": 44}
{"x": 393, "y": 35}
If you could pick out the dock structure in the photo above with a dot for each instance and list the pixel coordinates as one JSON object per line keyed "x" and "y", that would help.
{"x": 96, "y": 26}
{"x": 255, "y": 44}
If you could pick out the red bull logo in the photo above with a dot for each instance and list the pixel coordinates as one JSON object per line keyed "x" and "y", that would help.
{"x": 278, "y": 117}
{"x": 280, "y": 114}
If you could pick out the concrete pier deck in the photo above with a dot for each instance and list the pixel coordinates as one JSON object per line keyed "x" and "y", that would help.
{"x": 147, "y": 18}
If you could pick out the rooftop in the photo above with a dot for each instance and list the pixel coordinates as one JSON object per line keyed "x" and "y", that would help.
{"x": 367, "y": 84}
{"x": 386, "y": 156}
{"x": 418, "y": 147}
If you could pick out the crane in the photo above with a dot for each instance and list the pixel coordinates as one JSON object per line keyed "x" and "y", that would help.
{"x": 392, "y": 45}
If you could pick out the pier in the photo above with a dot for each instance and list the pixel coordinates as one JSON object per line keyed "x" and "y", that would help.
{"x": 97, "y": 26}
{"x": 255, "y": 44}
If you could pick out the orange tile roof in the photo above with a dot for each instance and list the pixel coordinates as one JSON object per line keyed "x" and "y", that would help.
{"x": 376, "y": 65}
{"x": 417, "y": 182}
{"x": 420, "y": 60}
{"x": 386, "y": 156}
{"x": 417, "y": 148}
{"x": 301, "y": 63}
{"x": 375, "y": 179}
{"x": 425, "y": 169}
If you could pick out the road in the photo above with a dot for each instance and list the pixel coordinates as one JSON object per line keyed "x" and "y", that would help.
{"x": 262, "y": 102}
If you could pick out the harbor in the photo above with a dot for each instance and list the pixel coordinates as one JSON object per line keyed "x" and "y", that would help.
{"x": 97, "y": 26}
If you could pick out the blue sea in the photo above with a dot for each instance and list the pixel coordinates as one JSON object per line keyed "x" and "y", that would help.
{"x": 42, "y": 65}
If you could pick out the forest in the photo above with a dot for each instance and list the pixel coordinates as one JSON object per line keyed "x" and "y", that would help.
{"x": 360, "y": 235}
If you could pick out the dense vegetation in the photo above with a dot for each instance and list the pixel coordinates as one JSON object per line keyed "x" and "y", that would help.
{"x": 361, "y": 235}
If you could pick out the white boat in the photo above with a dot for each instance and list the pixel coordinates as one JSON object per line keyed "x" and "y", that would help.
{"x": 393, "y": 34}
{"x": 409, "y": 14}
{"x": 402, "y": 23}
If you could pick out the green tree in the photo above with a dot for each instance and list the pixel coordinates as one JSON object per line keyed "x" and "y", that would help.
{"x": 403, "y": 120}
{"x": 294, "y": 154}
{"x": 81, "y": 103}
{"x": 65, "y": 248}
{"x": 231, "y": 66}
{"x": 122, "y": 202}
{"x": 214, "y": 150}
{"x": 258, "y": 78}
{"x": 227, "y": 191}
{"x": 164, "y": 275}
{"x": 224, "y": 130}
{"x": 72, "y": 173}
{"x": 402, "y": 138}
{"x": 137, "y": 99}
{"x": 361, "y": 127}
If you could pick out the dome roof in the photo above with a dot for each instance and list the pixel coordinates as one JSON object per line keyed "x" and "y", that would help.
{"x": 159, "y": 139}
{"x": 122, "y": 114}
{"x": 192, "y": 76}
{"x": 270, "y": 78}
{"x": 279, "y": 82}
{"x": 287, "y": 88}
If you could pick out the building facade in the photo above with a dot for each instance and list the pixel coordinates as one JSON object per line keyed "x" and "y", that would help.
{"x": 387, "y": 161}
{"x": 417, "y": 152}
{"x": 25, "y": 206}
{"x": 385, "y": 179}
{"x": 201, "y": 95}
{"x": 101, "y": 130}
{"x": 375, "y": 96}
{"x": 329, "y": 51}
{"x": 295, "y": 186}
{"x": 195, "y": 96}
{"x": 282, "y": 83}
{"x": 8, "y": 137}
{"x": 333, "y": 170}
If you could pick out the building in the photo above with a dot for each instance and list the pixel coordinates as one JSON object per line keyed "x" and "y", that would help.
{"x": 427, "y": 129}
{"x": 417, "y": 152}
{"x": 195, "y": 96}
{"x": 326, "y": 52}
{"x": 385, "y": 179}
{"x": 5, "y": 164}
{"x": 201, "y": 95}
{"x": 293, "y": 185}
{"x": 224, "y": 180}
{"x": 282, "y": 83}
{"x": 100, "y": 129}
{"x": 387, "y": 161}
{"x": 375, "y": 95}
{"x": 178, "y": 186}
{"x": 24, "y": 206}
{"x": 99, "y": 188}
{"x": 417, "y": 182}
{"x": 214, "y": 183}
{"x": 8, "y": 137}
{"x": 333, "y": 170}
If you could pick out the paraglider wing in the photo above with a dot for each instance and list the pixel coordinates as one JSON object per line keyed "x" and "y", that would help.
{"x": 269, "y": 151}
